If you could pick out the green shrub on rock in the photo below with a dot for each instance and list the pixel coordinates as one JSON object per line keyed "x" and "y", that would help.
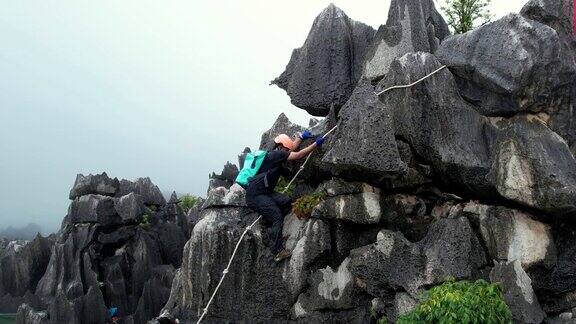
{"x": 303, "y": 206}
{"x": 461, "y": 302}
{"x": 188, "y": 202}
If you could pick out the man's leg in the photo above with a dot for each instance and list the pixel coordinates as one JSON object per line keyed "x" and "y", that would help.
{"x": 283, "y": 201}
{"x": 267, "y": 207}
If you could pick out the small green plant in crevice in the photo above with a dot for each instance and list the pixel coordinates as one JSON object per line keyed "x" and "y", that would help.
{"x": 303, "y": 206}
{"x": 188, "y": 202}
{"x": 145, "y": 221}
{"x": 281, "y": 185}
{"x": 461, "y": 302}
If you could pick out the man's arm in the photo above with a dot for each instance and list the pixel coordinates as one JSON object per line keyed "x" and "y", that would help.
{"x": 302, "y": 153}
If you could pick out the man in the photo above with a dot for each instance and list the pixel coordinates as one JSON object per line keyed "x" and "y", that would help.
{"x": 260, "y": 195}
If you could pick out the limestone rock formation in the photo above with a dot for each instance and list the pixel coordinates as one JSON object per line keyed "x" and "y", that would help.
{"x": 111, "y": 252}
{"x": 325, "y": 70}
{"x": 412, "y": 26}
{"x": 451, "y": 248}
{"x": 99, "y": 184}
{"x": 518, "y": 292}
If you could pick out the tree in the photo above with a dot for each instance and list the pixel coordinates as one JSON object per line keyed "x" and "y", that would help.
{"x": 464, "y": 15}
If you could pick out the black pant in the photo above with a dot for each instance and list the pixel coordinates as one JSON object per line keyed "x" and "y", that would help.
{"x": 271, "y": 207}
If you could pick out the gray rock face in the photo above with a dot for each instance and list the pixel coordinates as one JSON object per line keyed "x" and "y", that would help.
{"x": 21, "y": 268}
{"x": 515, "y": 58}
{"x": 451, "y": 248}
{"x": 325, "y": 70}
{"x": 518, "y": 292}
{"x": 27, "y": 315}
{"x": 533, "y": 166}
{"x": 130, "y": 207}
{"x": 363, "y": 208}
{"x": 145, "y": 188}
{"x": 441, "y": 128}
{"x": 376, "y": 156}
{"x": 225, "y": 179}
{"x": 248, "y": 285}
{"x": 108, "y": 255}
{"x": 329, "y": 289}
{"x": 412, "y": 26}
{"x": 93, "y": 209}
{"x": 220, "y": 196}
{"x": 403, "y": 303}
{"x": 155, "y": 294}
{"x": 512, "y": 235}
{"x": 282, "y": 125}
{"x": 99, "y": 184}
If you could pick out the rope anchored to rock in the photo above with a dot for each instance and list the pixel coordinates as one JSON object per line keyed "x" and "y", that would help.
{"x": 225, "y": 271}
{"x": 413, "y": 83}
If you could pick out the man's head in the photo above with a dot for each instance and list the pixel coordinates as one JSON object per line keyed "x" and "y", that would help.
{"x": 283, "y": 142}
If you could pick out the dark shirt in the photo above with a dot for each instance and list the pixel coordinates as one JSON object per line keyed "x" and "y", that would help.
{"x": 270, "y": 171}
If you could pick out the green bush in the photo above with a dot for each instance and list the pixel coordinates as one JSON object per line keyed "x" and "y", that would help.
{"x": 281, "y": 185}
{"x": 188, "y": 202}
{"x": 303, "y": 206}
{"x": 461, "y": 302}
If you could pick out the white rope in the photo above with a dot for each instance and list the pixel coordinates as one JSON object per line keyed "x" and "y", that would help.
{"x": 411, "y": 84}
{"x": 244, "y": 233}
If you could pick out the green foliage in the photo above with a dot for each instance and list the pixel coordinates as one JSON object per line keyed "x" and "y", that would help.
{"x": 383, "y": 320}
{"x": 188, "y": 202}
{"x": 461, "y": 302}
{"x": 281, "y": 185}
{"x": 145, "y": 220}
{"x": 464, "y": 15}
{"x": 303, "y": 206}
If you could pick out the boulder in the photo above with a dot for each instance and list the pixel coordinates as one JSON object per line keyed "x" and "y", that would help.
{"x": 518, "y": 292}
{"x": 130, "y": 207}
{"x": 514, "y": 58}
{"x": 533, "y": 166}
{"x": 450, "y": 248}
{"x": 412, "y": 26}
{"x": 144, "y": 187}
{"x": 99, "y": 184}
{"x": 329, "y": 289}
{"x": 325, "y": 70}
{"x": 364, "y": 147}
{"x": 93, "y": 209}
{"x": 218, "y": 197}
{"x": 363, "y": 208}
{"x": 311, "y": 250}
{"x": 511, "y": 235}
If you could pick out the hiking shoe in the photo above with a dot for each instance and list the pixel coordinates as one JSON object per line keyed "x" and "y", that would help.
{"x": 284, "y": 254}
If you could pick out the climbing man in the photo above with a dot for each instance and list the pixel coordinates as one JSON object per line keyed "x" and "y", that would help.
{"x": 260, "y": 195}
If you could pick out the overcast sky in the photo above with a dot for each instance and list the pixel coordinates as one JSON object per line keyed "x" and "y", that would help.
{"x": 165, "y": 89}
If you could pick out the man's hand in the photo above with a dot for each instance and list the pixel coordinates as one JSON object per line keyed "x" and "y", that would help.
{"x": 306, "y": 135}
{"x": 319, "y": 141}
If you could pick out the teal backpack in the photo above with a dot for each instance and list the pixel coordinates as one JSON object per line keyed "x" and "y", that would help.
{"x": 252, "y": 164}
